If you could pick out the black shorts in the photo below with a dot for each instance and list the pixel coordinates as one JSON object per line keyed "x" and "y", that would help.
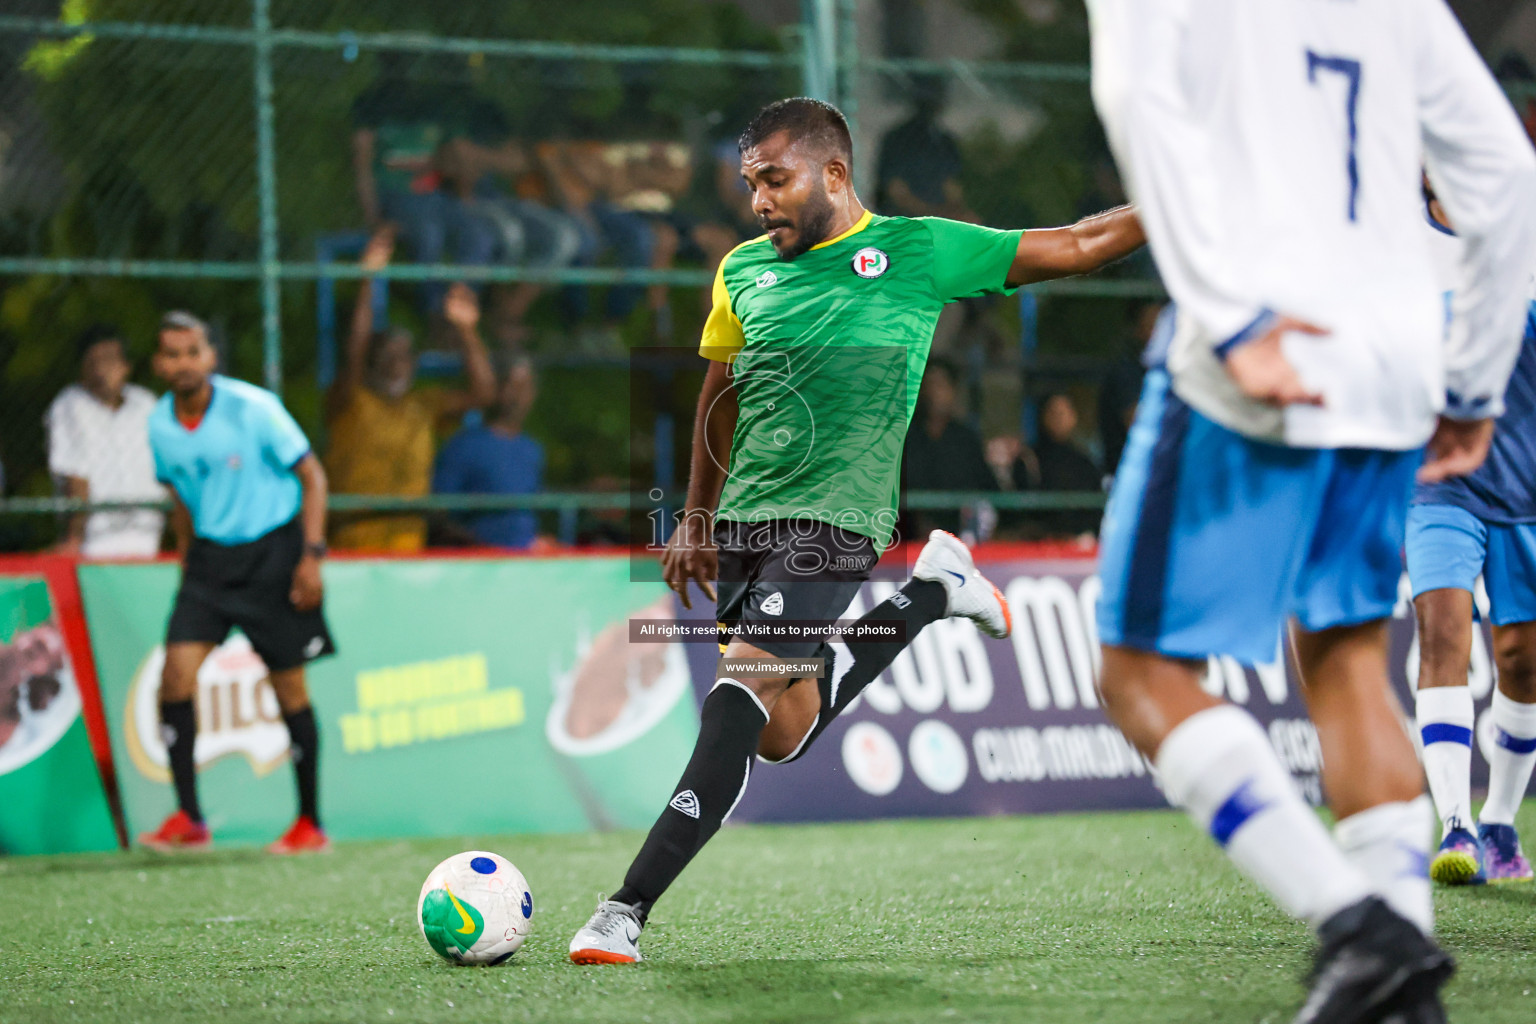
{"x": 247, "y": 585}
{"x": 788, "y": 570}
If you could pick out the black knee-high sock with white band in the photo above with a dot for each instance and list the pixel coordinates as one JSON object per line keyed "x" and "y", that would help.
{"x": 730, "y": 725}
{"x": 915, "y": 605}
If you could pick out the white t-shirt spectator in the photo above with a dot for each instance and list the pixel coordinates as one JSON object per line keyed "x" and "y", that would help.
{"x": 109, "y": 449}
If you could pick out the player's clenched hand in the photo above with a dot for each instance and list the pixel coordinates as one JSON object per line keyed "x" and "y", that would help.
{"x": 307, "y": 588}
{"x": 1264, "y": 374}
{"x": 691, "y": 555}
{"x": 1457, "y": 448}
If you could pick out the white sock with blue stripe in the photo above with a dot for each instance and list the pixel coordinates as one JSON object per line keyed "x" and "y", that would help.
{"x": 1444, "y": 716}
{"x": 1390, "y": 844}
{"x": 1218, "y": 766}
{"x": 1514, "y": 755}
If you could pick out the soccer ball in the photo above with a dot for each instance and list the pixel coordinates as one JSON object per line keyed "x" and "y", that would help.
{"x": 475, "y": 908}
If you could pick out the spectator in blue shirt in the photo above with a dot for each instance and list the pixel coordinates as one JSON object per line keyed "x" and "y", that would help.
{"x": 496, "y": 457}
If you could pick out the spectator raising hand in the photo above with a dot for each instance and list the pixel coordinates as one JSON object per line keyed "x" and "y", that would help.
{"x": 384, "y": 428}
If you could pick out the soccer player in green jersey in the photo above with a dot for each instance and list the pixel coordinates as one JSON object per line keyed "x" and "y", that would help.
{"x": 818, "y": 336}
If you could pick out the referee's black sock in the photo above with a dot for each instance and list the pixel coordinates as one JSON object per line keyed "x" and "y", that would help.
{"x": 304, "y": 751}
{"x": 716, "y": 776}
{"x": 915, "y": 605}
{"x": 179, "y": 727}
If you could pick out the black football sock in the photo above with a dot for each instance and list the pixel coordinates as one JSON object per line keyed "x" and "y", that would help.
{"x": 716, "y": 776}
{"x": 304, "y": 751}
{"x": 914, "y": 606}
{"x": 179, "y": 727}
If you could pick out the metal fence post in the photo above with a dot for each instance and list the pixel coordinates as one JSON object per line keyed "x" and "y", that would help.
{"x": 819, "y": 31}
{"x": 266, "y": 186}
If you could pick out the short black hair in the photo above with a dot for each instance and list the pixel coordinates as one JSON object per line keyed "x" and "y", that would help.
{"x": 807, "y": 120}
{"x": 96, "y": 334}
{"x": 181, "y": 320}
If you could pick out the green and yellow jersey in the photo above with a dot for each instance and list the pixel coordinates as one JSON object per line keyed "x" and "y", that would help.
{"x": 828, "y": 352}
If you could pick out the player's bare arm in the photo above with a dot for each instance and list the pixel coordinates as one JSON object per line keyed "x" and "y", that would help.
{"x": 181, "y": 524}
{"x": 376, "y": 256}
{"x": 1457, "y": 448}
{"x": 690, "y": 554}
{"x": 461, "y": 309}
{"x": 1080, "y": 248}
{"x": 307, "y": 587}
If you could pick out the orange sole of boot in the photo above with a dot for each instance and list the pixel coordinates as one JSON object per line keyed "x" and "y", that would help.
{"x": 599, "y": 956}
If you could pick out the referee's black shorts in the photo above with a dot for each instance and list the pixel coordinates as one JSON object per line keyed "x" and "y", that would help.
{"x": 787, "y": 570}
{"x": 248, "y": 585}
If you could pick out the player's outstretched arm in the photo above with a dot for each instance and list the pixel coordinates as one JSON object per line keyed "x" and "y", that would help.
{"x": 690, "y": 553}
{"x": 1080, "y": 248}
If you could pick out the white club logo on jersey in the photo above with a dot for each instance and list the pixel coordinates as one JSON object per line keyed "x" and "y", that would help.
{"x": 686, "y": 803}
{"x": 767, "y": 278}
{"x": 773, "y": 604}
{"x": 870, "y": 263}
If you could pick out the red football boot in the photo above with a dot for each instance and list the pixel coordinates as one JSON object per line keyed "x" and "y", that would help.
{"x": 304, "y": 837}
{"x": 178, "y": 833}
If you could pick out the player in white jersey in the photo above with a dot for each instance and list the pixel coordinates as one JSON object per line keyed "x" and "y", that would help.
{"x": 1274, "y": 151}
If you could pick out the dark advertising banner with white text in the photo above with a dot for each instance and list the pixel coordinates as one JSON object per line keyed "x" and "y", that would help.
{"x": 961, "y": 724}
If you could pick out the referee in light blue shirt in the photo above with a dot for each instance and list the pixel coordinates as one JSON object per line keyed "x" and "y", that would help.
{"x": 250, "y": 522}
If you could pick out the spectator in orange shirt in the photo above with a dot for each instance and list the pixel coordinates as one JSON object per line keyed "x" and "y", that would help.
{"x": 382, "y": 427}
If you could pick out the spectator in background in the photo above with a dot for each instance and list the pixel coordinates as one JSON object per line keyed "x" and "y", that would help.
{"x": 486, "y": 170}
{"x": 584, "y": 177}
{"x": 400, "y": 127}
{"x": 98, "y": 449}
{"x": 382, "y": 427}
{"x": 1120, "y": 389}
{"x": 496, "y": 457}
{"x": 942, "y": 453}
{"x": 1064, "y": 466}
{"x": 918, "y": 173}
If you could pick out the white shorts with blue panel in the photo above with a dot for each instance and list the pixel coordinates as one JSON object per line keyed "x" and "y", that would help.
{"x": 1449, "y": 547}
{"x": 1212, "y": 540}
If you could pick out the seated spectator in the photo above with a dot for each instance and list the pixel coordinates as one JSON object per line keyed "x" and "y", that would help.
{"x": 98, "y": 449}
{"x": 400, "y": 126}
{"x": 1015, "y": 468}
{"x": 918, "y": 173}
{"x": 942, "y": 453}
{"x": 382, "y": 427}
{"x": 496, "y": 457}
{"x": 486, "y": 172}
{"x": 1064, "y": 466}
{"x": 584, "y": 179}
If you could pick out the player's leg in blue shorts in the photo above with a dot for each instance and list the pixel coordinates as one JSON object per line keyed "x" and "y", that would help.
{"x": 1510, "y": 576}
{"x": 1446, "y": 548}
{"x": 1211, "y": 542}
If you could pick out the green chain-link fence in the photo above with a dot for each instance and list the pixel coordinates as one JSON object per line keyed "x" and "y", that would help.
{"x": 229, "y": 157}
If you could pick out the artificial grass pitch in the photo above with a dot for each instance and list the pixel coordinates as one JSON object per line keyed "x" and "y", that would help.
{"x": 1096, "y": 918}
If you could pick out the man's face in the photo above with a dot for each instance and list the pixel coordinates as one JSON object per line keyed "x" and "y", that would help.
{"x": 104, "y": 368}
{"x": 184, "y": 360}
{"x": 791, "y": 193}
{"x": 394, "y": 366}
{"x": 515, "y": 396}
{"x": 1059, "y": 418}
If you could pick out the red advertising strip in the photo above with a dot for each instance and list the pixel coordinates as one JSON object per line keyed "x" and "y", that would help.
{"x": 64, "y": 588}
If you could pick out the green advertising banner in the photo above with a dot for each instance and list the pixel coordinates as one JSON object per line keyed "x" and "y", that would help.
{"x": 468, "y": 696}
{"x": 51, "y": 797}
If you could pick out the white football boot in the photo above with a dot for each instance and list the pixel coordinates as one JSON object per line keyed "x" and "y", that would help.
{"x": 945, "y": 559}
{"x": 611, "y": 937}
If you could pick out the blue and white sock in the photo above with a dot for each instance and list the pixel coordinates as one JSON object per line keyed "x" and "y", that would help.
{"x": 1219, "y": 767}
{"x": 1390, "y": 844}
{"x": 1514, "y": 755}
{"x": 1444, "y": 716}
